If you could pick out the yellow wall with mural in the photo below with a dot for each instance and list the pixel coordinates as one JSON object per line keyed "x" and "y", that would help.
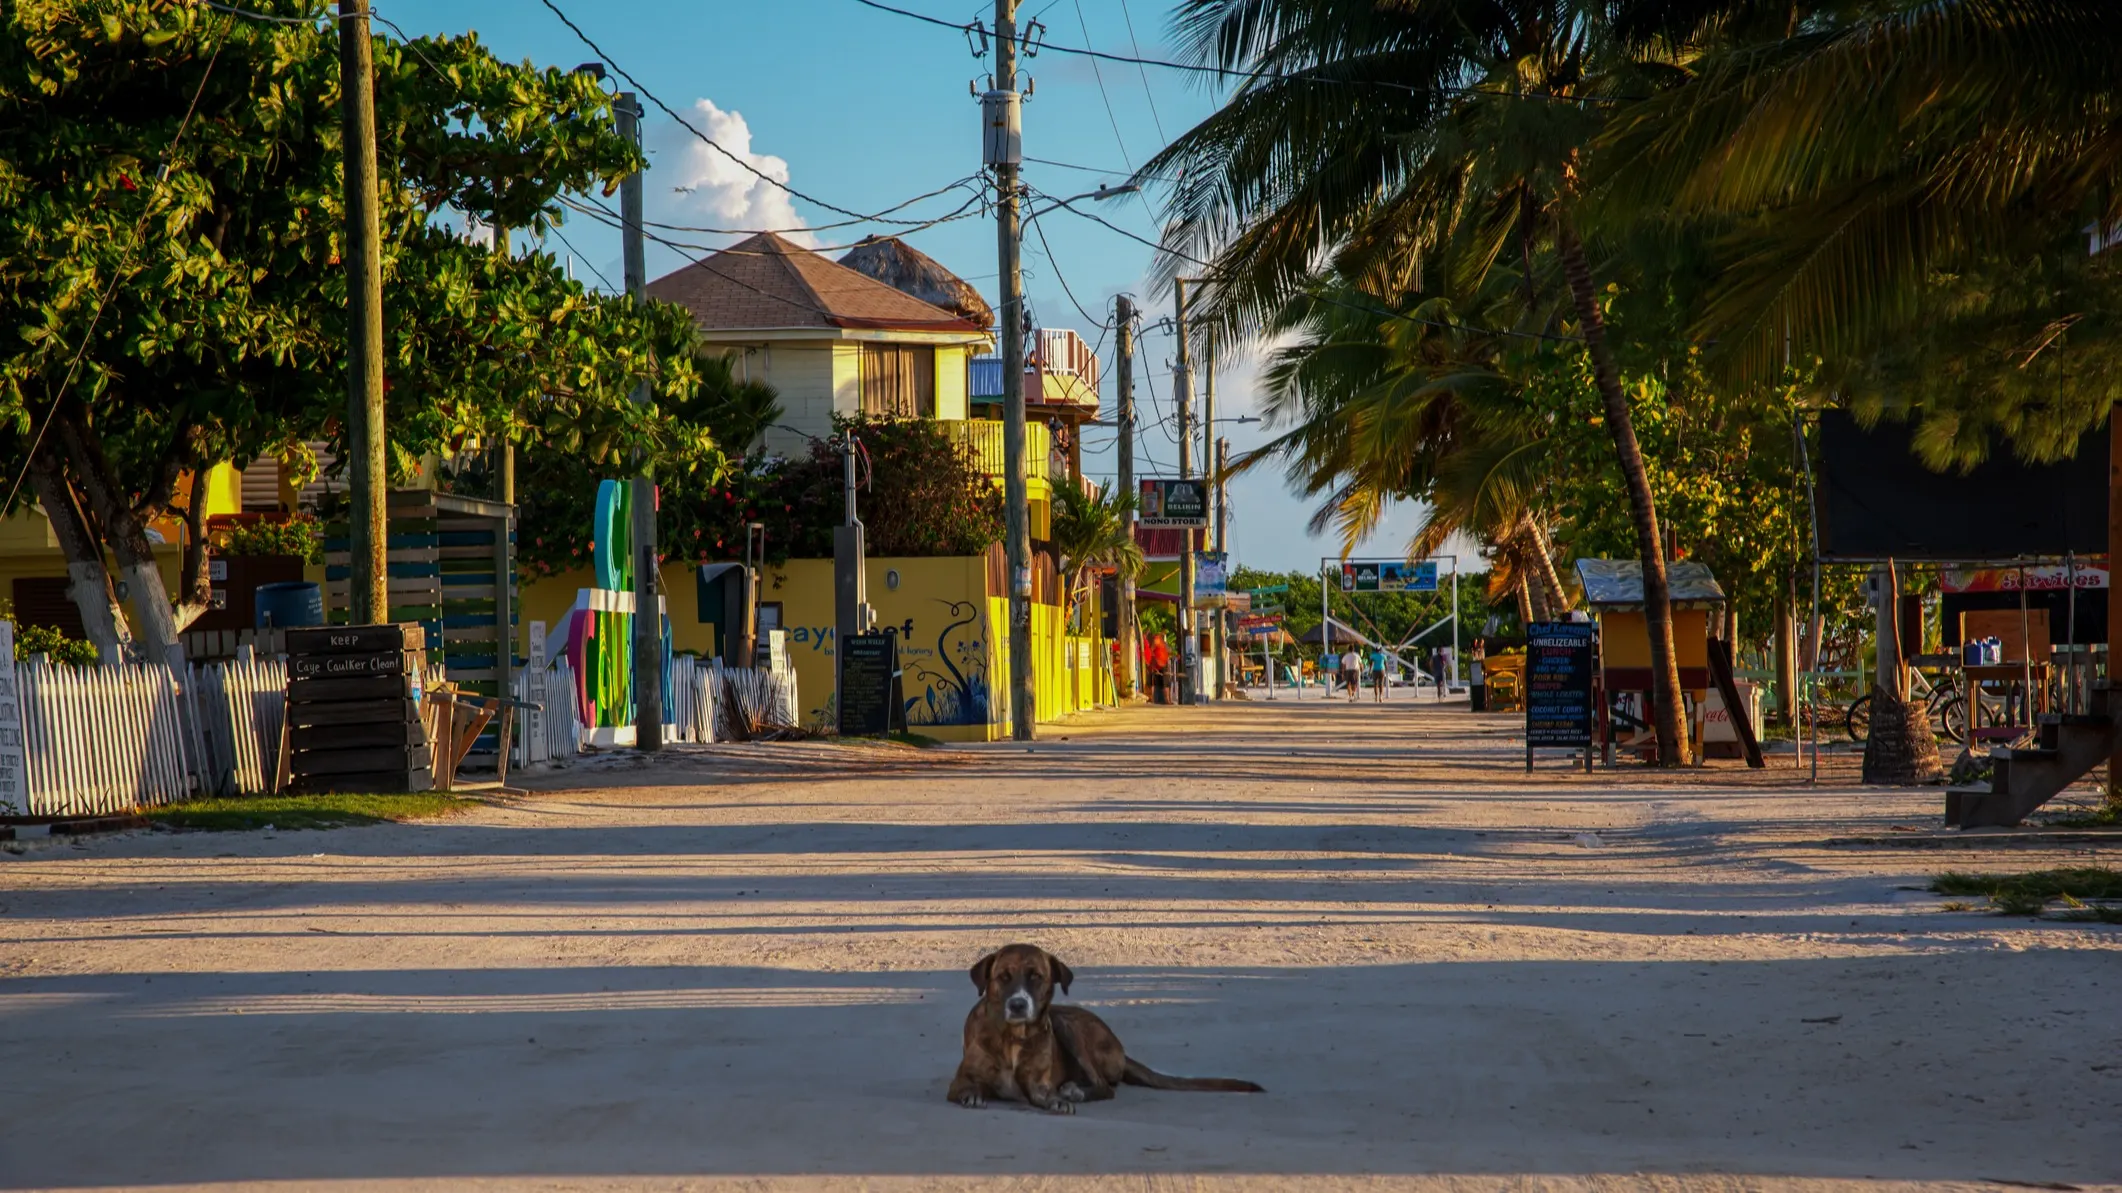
{"x": 953, "y": 639}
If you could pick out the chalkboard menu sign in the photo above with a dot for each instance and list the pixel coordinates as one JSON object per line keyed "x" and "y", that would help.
{"x": 1560, "y": 657}
{"x": 869, "y": 685}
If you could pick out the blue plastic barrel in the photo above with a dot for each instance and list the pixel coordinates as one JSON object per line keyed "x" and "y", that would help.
{"x": 289, "y": 603}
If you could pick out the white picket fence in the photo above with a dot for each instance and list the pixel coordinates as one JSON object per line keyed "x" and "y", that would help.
{"x": 241, "y": 706}
{"x": 553, "y": 730}
{"x": 103, "y": 739}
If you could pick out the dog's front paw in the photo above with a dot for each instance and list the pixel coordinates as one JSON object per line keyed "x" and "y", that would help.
{"x": 1071, "y": 1092}
{"x": 1058, "y": 1104}
{"x": 972, "y": 1101}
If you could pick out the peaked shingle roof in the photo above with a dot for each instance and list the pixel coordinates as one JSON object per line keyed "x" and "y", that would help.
{"x": 910, "y": 271}
{"x": 767, "y": 282}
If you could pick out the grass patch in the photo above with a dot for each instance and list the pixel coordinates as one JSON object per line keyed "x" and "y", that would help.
{"x": 2104, "y": 816}
{"x": 335, "y": 810}
{"x": 2031, "y": 892}
{"x": 920, "y": 741}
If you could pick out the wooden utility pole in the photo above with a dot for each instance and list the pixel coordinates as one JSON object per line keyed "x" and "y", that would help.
{"x": 368, "y": 591}
{"x": 2114, "y": 580}
{"x": 505, "y": 451}
{"x": 1124, "y": 325}
{"x": 1212, "y": 468}
{"x": 1003, "y": 150}
{"x": 1183, "y": 389}
{"x": 648, "y": 609}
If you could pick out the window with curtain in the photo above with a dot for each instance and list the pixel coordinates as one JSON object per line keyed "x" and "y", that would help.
{"x": 899, "y": 379}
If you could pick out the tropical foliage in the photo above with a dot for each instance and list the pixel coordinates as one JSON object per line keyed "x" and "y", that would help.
{"x": 1092, "y": 535}
{"x": 171, "y": 215}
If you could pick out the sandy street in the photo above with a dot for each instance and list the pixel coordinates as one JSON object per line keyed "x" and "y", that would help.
{"x": 745, "y": 967}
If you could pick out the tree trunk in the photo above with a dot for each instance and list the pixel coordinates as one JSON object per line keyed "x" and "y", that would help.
{"x": 88, "y": 581}
{"x": 1525, "y": 599}
{"x": 126, "y": 534}
{"x": 1545, "y": 549}
{"x": 1787, "y": 656}
{"x": 1901, "y": 748}
{"x": 1667, "y": 719}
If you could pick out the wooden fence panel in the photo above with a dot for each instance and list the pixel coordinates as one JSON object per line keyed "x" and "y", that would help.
{"x": 103, "y": 739}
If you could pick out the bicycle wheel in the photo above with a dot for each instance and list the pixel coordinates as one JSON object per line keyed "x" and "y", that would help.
{"x": 1950, "y": 718}
{"x": 1858, "y": 721}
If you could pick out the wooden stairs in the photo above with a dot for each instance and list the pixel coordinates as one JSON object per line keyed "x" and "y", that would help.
{"x": 2024, "y": 778}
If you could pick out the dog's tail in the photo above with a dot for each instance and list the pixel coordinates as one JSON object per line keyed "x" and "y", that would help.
{"x": 1138, "y": 1073}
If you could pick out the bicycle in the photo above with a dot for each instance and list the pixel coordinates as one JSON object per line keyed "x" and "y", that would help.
{"x": 1944, "y": 701}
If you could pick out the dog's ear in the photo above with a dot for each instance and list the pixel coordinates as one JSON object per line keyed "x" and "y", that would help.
{"x": 1063, "y": 975}
{"x": 980, "y": 969}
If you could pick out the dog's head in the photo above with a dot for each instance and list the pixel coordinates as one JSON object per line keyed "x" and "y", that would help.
{"x": 1020, "y": 979}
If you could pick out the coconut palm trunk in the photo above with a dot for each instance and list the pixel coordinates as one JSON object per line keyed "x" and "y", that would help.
{"x": 1666, "y": 720}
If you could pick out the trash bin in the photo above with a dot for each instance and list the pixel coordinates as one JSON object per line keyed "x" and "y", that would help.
{"x": 289, "y": 604}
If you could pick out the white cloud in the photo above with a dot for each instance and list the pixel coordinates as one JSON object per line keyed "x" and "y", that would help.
{"x": 690, "y": 183}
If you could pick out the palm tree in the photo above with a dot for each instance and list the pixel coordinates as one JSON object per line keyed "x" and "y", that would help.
{"x": 1900, "y": 190}
{"x": 1369, "y": 134}
{"x": 1091, "y": 533}
{"x": 1886, "y": 174}
{"x": 1383, "y": 409}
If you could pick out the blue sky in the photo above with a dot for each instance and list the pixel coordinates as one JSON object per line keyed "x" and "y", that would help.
{"x": 864, "y": 109}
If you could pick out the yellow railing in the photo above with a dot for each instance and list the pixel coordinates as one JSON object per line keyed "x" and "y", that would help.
{"x": 984, "y": 437}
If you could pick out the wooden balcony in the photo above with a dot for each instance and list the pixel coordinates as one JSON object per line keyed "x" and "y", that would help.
{"x": 984, "y": 437}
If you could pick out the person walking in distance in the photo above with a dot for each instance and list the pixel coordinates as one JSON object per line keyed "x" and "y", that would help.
{"x": 1351, "y": 672}
{"x": 1379, "y": 664}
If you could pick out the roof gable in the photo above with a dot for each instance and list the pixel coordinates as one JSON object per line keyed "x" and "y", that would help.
{"x": 765, "y": 281}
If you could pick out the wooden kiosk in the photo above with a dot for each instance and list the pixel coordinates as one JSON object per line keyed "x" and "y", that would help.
{"x": 1613, "y": 588}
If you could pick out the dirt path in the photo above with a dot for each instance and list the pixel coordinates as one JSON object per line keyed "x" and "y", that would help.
{"x": 744, "y": 967}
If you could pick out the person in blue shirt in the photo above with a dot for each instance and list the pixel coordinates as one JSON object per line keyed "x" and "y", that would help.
{"x": 1379, "y": 662}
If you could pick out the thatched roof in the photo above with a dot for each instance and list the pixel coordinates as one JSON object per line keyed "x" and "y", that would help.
{"x": 905, "y": 268}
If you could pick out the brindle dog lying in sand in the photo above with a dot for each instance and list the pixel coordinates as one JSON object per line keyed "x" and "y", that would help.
{"x": 1018, "y": 1045}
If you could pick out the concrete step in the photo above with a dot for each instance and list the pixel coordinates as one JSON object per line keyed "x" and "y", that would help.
{"x": 2022, "y": 778}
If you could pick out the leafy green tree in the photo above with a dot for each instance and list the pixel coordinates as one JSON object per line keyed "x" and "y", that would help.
{"x": 170, "y": 209}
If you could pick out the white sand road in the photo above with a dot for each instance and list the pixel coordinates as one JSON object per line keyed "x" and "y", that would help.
{"x": 744, "y": 967}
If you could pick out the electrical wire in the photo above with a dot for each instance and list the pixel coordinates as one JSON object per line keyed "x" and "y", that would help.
{"x": 1147, "y": 93}
{"x": 585, "y": 259}
{"x": 598, "y": 210}
{"x": 1129, "y": 173}
{"x": 1099, "y": 75}
{"x": 1054, "y": 261}
{"x": 965, "y": 182}
{"x": 1361, "y": 308}
{"x": 1252, "y": 75}
{"x": 710, "y": 142}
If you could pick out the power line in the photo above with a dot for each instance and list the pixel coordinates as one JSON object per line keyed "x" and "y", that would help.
{"x": 967, "y": 181}
{"x": 710, "y": 142}
{"x": 585, "y": 259}
{"x": 1225, "y": 72}
{"x": 597, "y": 209}
{"x": 1128, "y": 173}
{"x": 1136, "y": 43}
{"x": 1360, "y": 308}
{"x": 1054, "y": 261}
{"x": 1099, "y": 75}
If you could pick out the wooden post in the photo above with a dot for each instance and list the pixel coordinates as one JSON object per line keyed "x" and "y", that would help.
{"x": 2114, "y": 582}
{"x": 368, "y": 598}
